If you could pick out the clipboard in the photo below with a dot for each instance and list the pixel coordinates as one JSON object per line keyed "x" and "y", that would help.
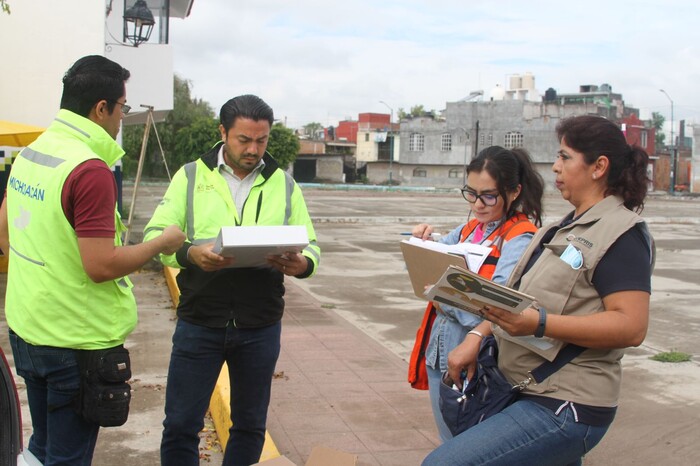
{"x": 426, "y": 266}
{"x": 250, "y": 245}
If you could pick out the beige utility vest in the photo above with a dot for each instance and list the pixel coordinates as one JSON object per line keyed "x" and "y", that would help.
{"x": 593, "y": 378}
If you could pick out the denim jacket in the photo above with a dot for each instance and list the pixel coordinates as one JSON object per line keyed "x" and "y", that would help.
{"x": 451, "y": 326}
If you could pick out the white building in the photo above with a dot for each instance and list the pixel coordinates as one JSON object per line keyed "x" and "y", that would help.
{"x": 42, "y": 39}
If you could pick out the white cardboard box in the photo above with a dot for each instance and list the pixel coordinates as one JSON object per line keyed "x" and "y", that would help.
{"x": 320, "y": 456}
{"x": 250, "y": 245}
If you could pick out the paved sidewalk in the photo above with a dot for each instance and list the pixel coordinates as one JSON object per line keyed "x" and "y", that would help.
{"x": 337, "y": 387}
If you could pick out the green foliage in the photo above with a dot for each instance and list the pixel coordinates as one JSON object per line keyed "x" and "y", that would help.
{"x": 311, "y": 128}
{"x": 283, "y": 145}
{"x": 658, "y": 120}
{"x": 187, "y": 132}
{"x": 671, "y": 356}
{"x": 195, "y": 139}
{"x": 416, "y": 111}
{"x": 4, "y": 7}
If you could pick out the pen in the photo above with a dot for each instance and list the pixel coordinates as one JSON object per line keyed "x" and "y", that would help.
{"x": 432, "y": 235}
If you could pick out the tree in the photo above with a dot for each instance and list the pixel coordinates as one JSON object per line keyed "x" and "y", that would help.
{"x": 187, "y": 132}
{"x": 195, "y": 139}
{"x": 4, "y": 7}
{"x": 416, "y": 111}
{"x": 283, "y": 145}
{"x": 657, "y": 121}
{"x": 310, "y": 129}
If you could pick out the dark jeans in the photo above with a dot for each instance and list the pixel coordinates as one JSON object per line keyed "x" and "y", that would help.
{"x": 195, "y": 363}
{"x": 60, "y": 436}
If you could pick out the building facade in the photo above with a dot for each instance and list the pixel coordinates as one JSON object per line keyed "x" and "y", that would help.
{"x": 435, "y": 151}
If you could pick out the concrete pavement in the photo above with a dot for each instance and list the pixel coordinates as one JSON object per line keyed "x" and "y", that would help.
{"x": 347, "y": 331}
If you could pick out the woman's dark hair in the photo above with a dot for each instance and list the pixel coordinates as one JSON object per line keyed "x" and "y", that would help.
{"x": 245, "y": 106}
{"x": 510, "y": 168}
{"x": 594, "y": 136}
{"x": 91, "y": 79}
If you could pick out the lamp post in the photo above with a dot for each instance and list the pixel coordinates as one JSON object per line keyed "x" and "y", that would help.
{"x": 391, "y": 142}
{"x": 672, "y": 165}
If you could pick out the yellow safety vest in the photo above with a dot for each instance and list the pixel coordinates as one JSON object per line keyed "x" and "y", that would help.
{"x": 50, "y": 299}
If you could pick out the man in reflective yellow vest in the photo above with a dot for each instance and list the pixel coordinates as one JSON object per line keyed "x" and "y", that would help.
{"x": 230, "y": 315}
{"x": 67, "y": 288}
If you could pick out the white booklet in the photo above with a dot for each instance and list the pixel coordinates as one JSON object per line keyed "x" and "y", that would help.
{"x": 470, "y": 292}
{"x": 252, "y": 245}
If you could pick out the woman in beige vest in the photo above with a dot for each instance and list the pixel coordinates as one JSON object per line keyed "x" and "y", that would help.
{"x": 590, "y": 274}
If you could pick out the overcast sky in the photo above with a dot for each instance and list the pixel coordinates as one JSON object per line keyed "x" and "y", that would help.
{"x": 325, "y": 61}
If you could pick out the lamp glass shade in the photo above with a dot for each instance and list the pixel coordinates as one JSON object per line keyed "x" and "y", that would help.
{"x": 138, "y": 23}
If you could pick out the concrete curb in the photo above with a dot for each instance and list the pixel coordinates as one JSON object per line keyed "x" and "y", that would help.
{"x": 219, "y": 406}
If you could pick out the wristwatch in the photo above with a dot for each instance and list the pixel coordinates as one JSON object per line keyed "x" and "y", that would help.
{"x": 539, "y": 333}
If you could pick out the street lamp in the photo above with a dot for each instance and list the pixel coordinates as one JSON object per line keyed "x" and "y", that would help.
{"x": 391, "y": 142}
{"x": 138, "y": 23}
{"x": 672, "y": 188}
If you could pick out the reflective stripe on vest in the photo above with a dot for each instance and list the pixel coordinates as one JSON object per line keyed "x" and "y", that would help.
{"x": 191, "y": 175}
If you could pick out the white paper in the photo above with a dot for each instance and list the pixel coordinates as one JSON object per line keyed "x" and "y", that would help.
{"x": 475, "y": 254}
{"x": 251, "y": 245}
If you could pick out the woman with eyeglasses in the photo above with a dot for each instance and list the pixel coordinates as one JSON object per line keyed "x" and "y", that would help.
{"x": 504, "y": 192}
{"x": 590, "y": 274}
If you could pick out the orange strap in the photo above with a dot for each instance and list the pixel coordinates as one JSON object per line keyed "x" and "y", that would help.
{"x": 417, "y": 373}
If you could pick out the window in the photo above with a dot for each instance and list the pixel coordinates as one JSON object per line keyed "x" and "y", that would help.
{"x": 643, "y": 139}
{"x": 513, "y": 139}
{"x": 454, "y": 173}
{"x": 419, "y": 173}
{"x": 490, "y": 140}
{"x": 482, "y": 139}
{"x": 366, "y": 137}
{"x": 446, "y": 142}
{"x": 416, "y": 143}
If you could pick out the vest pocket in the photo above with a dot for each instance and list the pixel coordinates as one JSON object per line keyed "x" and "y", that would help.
{"x": 27, "y": 258}
{"x": 554, "y": 279}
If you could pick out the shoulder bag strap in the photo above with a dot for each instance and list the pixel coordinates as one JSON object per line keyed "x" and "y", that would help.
{"x": 565, "y": 356}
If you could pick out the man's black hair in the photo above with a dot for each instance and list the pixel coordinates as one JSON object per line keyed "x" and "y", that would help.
{"x": 245, "y": 106}
{"x": 91, "y": 79}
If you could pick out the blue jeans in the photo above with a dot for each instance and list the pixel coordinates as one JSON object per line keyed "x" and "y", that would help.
{"x": 60, "y": 436}
{"x": 195, "y": 363}
{"x": 434, "y": 376}
{"x": 525, "y": 433}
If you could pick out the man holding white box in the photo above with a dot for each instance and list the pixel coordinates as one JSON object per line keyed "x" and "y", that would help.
{"x": 226, "y": 313}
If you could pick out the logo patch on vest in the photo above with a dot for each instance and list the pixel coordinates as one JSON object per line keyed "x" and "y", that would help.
{"x": 202, "y": 188}
{"x": 584, "y": 241}
{"x": 22, "y": 220}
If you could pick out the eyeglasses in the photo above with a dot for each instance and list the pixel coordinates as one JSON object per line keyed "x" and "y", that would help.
{"x": 125, "y": 108}
{"x": 486, "y": 199}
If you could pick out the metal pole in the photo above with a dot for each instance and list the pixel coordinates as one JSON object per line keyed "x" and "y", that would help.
{"x": 391, "y": 142}
{"x": 464, "y": 169}
{"x": 391, "y": 147}
{"x": 137, "y": 180}
{"x": 672, "y": 165}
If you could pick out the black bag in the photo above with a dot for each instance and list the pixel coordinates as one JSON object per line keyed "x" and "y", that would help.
{"x": 489, "y": 392}
{"x": 104, "y": 394}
